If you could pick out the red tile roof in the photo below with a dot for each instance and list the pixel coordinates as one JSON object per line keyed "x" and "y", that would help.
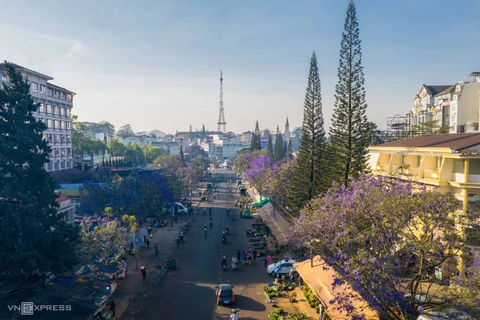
{"x": 62, "y": 198}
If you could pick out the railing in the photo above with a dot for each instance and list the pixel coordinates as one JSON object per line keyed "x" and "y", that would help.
{"x": 431, "y": 174}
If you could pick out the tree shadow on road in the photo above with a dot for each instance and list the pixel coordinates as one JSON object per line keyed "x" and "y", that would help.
{"x": 246, "y": 303}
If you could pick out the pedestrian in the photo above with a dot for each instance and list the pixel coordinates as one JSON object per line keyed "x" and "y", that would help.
{"x": 112, "y": 306}
{"x": 156, "y": 249}
{"x": 244, "y": 257}
{"x": 249, "y": 256}
{"x": 269, "y": 260}
{"x": 148, "y": 244}
{"x": 254, "y": 254}
{"x": 144, "y": 273}
{"x": 123, "y": 263}
{"x": 145, "y": 239}
{"x": 239, "y": 255}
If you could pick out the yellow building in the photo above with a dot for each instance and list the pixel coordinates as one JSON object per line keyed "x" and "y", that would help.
{"x": 449, "y": 162}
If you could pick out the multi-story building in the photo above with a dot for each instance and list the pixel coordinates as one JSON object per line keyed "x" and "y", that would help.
{"x": 454, "y": 107}
{"x": 442, "y": 162}
{"x": 55, "y": 105}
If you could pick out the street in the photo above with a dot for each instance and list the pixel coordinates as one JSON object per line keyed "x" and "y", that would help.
{"x": 189, "y": 292}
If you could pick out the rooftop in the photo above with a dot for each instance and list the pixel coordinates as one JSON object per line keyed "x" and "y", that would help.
{"x": 458, "y": 141}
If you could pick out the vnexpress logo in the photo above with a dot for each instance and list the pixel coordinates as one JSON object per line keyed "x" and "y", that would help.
{"x": 28, "y": 308}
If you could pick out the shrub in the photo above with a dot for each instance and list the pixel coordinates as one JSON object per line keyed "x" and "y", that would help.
{"x": 276, "y": 314}
{"x": 310, "y": 296}
{"x": 295, "y": 315}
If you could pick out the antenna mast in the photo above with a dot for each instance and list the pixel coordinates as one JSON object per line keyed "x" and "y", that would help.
{"x": 221, "y": 117}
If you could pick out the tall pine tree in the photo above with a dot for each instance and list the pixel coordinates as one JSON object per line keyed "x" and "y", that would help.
{"x": 270, "y": 146}
{"x": 307, "y": 178}
{"x": 32, "y": 232}
{"x": 278, "y": 150}
{"x": 350, "y": 128}
{"x": 255, "y": 145}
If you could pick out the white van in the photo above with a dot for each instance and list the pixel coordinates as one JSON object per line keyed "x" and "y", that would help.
{"x": 179, "y": 208}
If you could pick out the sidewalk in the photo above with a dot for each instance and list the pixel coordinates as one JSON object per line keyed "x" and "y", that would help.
{"x": 133, "y": 288}
{"x": 276, "y": 219}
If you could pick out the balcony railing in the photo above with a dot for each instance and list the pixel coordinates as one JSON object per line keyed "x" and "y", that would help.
{"x": 431, "y": 174}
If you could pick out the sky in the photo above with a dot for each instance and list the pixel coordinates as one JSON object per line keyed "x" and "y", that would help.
{"x": 156, "y": 64}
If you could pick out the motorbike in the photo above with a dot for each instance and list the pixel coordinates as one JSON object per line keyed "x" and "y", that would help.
{"x": 249, "y": 233}
{"x": 223, "y": 238}
{"x": 224, "y": 264}
{"x": 205, "y": 230}
{"x": 234, "y": 314}
{"x": 226, "y": 229}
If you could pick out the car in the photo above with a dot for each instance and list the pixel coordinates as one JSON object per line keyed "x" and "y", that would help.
{"x": 225, "y": 294}
{"x": 285, "y": 267}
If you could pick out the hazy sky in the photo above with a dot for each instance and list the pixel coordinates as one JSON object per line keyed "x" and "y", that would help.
{"x": 156, "y": 64}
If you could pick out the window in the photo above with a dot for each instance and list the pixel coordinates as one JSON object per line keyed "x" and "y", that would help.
{"x": 55, "y": 110}
{"x": 57, "y": 152}
{"x": 34, "y": 87}
{"x": 68, "y": 138}
{"x": 56, "y": 165}
{"x": 60, "y": 111}
{"x": 49, "y": 123}
{"x": 55, "y": 138}
{"x": 49, "y": 108}
{"x": 63, "y": 152}
{"x": 69, "y": 97}
{"x": 67, "y": 124}
{"x": 49, "y": 138}
{"x": 457, "y": 88}
{"x": 49, "y": 92}
{"x": 62, "y": 138}
{"x": 62, "y": 125}
{"x": 67, "y": 112}
{"x": 69, "y": 152}
{"x": 56, "y": 94}
{"x": 41, "y": 107}
{"x": 455, "y": 97}
{"x": 42, "y": 89}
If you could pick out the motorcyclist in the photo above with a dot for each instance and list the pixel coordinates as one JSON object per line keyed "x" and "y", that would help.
{"x": 182, "y": 235}
{"x": 228, "y": 212}
{"x": 234, "y": 315}
{"x": 211, "y": 222}
{"x": 210, "y": 211}
{"x": 224, "y": 262}
{"x": 205, "y": 229}
{"x": 223, "y": 237}
{"x": 204, "y": 211}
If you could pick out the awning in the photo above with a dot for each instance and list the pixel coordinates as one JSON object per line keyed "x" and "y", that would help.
{"x": 279, "y": 226}
{"x": 320, "y": 279}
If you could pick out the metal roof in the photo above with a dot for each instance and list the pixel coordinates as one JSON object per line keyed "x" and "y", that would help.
{"x": 457, "y": 141}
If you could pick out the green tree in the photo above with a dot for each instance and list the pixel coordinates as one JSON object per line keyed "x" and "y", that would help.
{"x": 116, "y": 148}
{"x": 289, "y": 148}
{"x": 431, "y": 126}
{"x": 270, "y": 146}
{"x": 350, "y": 132}
{"x": 307, "y": 178}
{"x": 135, "y": 155}
{"x": 255, "y": 144}
{"x": 32, "y": 232}
{"x": 125, "y": 130}
{"x": 278, "y": 151}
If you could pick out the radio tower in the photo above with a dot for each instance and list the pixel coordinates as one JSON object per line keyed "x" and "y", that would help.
{"x": 221, "y": 117}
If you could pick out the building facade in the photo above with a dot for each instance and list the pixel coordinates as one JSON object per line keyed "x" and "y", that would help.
{"x": 447, "y": 163}
{"x": 55, "y": 107}
{"x": 453, "y": 108}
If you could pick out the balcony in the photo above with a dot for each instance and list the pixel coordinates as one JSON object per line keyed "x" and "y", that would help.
{"x": 431, "y": 174}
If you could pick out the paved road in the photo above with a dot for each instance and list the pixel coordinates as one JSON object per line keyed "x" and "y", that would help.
{"x": 189, "y": 292}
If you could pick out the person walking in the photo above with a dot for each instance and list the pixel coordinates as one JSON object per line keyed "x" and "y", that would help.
{"x": 254, "y": 255}
{"x": 269, "y": 260}
{"x": 239, "y": 255}
{"x": 249, "y": 256}
{"x": 148, "y": 244}
{"x": 144, "y": 273}
{"x": 244, "y": 257}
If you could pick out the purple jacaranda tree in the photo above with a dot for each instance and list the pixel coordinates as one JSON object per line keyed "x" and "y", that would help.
{"x": 257, "y": 172}
{"x": 386, "y": 238}
{"x": 466, "y": 287}
{"x": 279, "y": 177}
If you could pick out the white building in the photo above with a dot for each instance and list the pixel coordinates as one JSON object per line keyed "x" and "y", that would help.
{"x": 55, "y": 105}
{"x": 455, "y": 106}
{"x": 66, "y": 207}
